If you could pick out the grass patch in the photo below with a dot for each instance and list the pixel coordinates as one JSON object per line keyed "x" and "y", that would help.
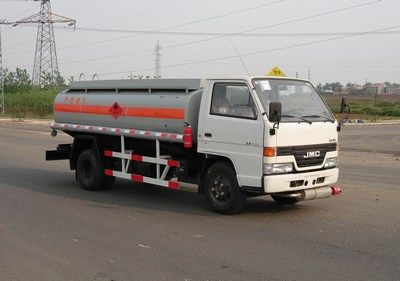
{"x": 32, "y": 103}
{"x": 365, "y": 106}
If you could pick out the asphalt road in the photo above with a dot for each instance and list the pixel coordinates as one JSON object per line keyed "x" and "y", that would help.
{"x": 52, "y": 230}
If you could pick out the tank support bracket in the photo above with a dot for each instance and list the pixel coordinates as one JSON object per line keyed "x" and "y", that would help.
{"x": 162, "y": 162}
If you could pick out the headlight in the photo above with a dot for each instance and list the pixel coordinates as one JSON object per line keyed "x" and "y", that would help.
{"x": 331, "y": 162}
{"x": 278, "y": 168}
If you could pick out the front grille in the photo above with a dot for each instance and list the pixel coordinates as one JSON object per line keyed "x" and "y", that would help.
{"x": 300, "y": 153}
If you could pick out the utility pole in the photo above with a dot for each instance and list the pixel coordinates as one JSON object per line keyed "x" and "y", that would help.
{"x": 45, "y": 62}
{"x": 309, "y": 74}
{"x": 2, "y": 109}
{"x": 157, "y": 61}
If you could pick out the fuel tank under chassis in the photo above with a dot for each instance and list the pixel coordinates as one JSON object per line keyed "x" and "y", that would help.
{"x": 159, "y": 105}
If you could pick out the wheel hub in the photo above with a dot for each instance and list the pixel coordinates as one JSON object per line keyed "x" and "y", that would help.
{"x": 220, "y": 189}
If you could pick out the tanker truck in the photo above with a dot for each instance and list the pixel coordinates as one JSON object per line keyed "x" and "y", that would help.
{"x": 231, "y": 138}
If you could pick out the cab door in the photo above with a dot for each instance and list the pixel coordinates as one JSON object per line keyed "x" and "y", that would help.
{"x": 232, "y": 126}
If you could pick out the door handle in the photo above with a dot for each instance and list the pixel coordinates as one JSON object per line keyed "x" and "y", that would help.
{"x": 208, "y": 135}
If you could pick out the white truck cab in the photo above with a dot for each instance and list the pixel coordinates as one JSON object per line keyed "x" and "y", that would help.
{"x": 296, "y": 152}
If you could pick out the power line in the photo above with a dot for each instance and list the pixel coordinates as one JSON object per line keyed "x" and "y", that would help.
{"x": 185, "y": 3}
{"x": 18, "y": 44}
{"x": 223, "y": 15}
{"x": 363, "y": 61}
{"x": 237, "y": 33}
{"x": 175, "y": 26}
{"x": 26, "y": 11}
{"x": 280, "y": 23}
{"x": 263, "y": 27}
{"x": 262, "y": 51}
{"x": 108, "y": 57}
{"x": 227, "y": 34}
{"x": 169, "y": 33}
{"x": 222, "y": 35}
{"x": 7, "y": 7}
{"x": 249, "y": 30}
{"x": 307, "y": 64}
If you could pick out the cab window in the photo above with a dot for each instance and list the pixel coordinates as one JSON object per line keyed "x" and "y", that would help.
{"x": 233, "y": 100}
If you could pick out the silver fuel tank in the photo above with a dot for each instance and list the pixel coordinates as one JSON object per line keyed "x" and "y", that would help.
{"x": 159, "y": 105}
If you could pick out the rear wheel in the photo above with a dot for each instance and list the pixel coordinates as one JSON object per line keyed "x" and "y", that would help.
{"x": 222, "y": 190}
{"x": 285, "y": 200}
{"x": 90, "y": 171}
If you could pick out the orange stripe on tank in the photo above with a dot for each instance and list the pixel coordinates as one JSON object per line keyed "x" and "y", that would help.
{"x": 70, "y": 108}
{"x": 168, "y": 113}
{"x": 146, "y": 112}
{"x": 96, "y": 109}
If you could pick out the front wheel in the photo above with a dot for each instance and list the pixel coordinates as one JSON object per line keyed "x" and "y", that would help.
{"x": 222, "y": 190}
{"x": 90, "y": 171}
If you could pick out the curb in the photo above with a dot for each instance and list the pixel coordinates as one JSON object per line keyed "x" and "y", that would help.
{"x": 380, "y": 123}
{"x": 26, "y": 121}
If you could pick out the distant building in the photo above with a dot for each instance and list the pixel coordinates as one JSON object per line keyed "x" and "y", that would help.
{"x": 377, "y": 89}
{"x": 352, "y": 89}
{"x": 396, "y": 90}
{"x": 359, "y": 87}
{"x": 393, "y": 89}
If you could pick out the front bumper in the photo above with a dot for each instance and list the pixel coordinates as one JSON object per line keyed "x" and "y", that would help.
{"x": 282, "y": 183}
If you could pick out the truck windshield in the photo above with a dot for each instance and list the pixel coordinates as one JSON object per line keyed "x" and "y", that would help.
{"x": 300, "y": 101}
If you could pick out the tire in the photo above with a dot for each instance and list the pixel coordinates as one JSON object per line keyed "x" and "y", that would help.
{"x": 90, "y": 171}
{"x": 222, "y": 190}
{"x": 285, "y": 201}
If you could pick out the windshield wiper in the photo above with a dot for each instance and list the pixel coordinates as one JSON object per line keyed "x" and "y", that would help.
{"x": 321, "y": 116}
{"x": 299, "y": 117}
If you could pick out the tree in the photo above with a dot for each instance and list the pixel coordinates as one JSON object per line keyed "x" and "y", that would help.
{"x": 15, "y": 81}
{"x": 327, "y": 88}
{"x": 319, "y": 88}
{"x": 22, "y": 78}
{"x": 19, "y": 80}
{"x": 50, "y": 81}
{"x": 337, "y": 87}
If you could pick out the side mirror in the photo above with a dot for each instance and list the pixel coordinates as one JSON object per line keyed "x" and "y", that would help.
{"x": 275, "y": 112}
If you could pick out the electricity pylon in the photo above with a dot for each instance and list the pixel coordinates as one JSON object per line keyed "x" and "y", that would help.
{"x": 45, "y": 64}
{"x": 157, "y": 61}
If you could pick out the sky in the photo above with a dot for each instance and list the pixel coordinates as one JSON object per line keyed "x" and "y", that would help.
{"x": 347, "y": 47}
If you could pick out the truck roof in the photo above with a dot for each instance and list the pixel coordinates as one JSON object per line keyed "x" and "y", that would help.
{"x": 249, "y": 78}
